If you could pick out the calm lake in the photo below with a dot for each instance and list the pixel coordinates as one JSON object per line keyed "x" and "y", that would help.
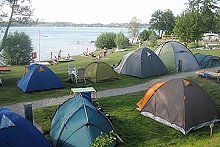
{"x": 70, "y": 40}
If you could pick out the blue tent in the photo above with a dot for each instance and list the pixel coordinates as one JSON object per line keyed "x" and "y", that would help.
{"x": 39, "y": 77}
{"x": 77, "y": 123}
{"x": 16, "y": 131}
{"x": 207, "y": 61}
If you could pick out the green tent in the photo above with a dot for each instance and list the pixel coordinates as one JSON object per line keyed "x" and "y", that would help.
{"x": 99, "y": 71}
{"x": 177, "y": 57}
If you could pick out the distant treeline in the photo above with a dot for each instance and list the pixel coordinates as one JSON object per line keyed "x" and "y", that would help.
{"x": 69, "y": 24}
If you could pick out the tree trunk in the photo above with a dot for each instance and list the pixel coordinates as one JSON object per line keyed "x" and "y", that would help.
{"x": 160, "y": 34}
{"x": 8, "y": 26}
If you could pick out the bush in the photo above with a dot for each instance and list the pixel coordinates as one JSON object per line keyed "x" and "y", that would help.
{"x": 18, "y": 48}
{"x": 144, "y": 35}
{"x": 105, "y": 40}
{"x": 153, "y": 39}
{"x": 105, "y": 140}
{"x": 121, "y": 41}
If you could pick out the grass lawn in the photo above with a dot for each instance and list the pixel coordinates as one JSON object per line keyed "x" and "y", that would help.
{"x": 215, "y": 52}
{"x": 11, "y": 94}
{"x": 138, "y": 130}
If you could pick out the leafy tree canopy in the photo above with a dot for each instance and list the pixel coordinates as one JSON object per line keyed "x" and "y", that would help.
{"x": 199, "y": 5}
{"x": 18, "y": 48}
{"x": 14, "y": 11}
{"x": 144, "y": 35}
{"x": 105, "y": 40}
{"x": 208, "y": 9}
{"x": 133, "y": 28}
{"x": 121, "y": 41}
{"x": 189, "y": 27}
{"x": 153, "y": 38}
{"x": 163, "y": 21}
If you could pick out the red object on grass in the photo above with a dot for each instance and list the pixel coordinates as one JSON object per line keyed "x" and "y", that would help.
{"x": 5, "y": 69}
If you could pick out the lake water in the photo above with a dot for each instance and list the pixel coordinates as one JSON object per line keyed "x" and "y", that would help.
{"x": 70, "y": 40}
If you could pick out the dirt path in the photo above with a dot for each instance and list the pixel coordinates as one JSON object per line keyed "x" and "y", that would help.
{"x": 19, "y": 107}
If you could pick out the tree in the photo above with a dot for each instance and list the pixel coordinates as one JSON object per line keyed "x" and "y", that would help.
{"x": 153, "y": 38}
{"x": 106, "y": 40}
{"x": 208, "y": 9}
{"x": 18, "y": 48}
{"x": 133, "y": 28}
{"x": 169, "y": 21}
{"x": 156, "y": 22}
{"x": 189, "y": 27}
{"x": 199, "y": 5}
{"x": 121, "y": 41}
{"x": 210, "y": 21}
{"x": 144, "y": 35}
{"x": 163, "y": 21}
{"x": 20, "y": 11}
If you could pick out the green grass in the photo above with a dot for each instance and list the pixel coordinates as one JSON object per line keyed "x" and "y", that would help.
{"x": 138, "y": 130}
{"x": 11, "y": 94}
{"x": 215, "y": 52}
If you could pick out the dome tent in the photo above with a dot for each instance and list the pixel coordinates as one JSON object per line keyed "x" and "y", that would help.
{"x": 186, "y": 108}
{"x": 39, "y": 77}
{"x": 99, "y": 71}
{"x": 176, "y": 57}
{"x": 78, "y": 123}
{"x": 207, "y": 61}
{"x": 16, "y": 131}
{"x": 141, "y": 63}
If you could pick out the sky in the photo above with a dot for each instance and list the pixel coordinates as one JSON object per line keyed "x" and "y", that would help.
{"x": 103, "y": 11}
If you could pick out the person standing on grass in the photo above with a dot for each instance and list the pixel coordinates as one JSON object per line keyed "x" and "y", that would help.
{"x": 59, "y": 55}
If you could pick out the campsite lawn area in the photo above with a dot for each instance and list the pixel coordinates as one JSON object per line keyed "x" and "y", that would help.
{"x": 11, "y": 94}
{"x": 138, "y": 130}
{"x": 215, "y": 52}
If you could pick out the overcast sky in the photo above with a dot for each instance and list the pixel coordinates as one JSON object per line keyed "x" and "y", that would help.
{"x": 103, "y": 11}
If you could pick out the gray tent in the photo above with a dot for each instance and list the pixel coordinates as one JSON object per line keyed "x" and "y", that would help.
{"x": 180, "y": 104}
{"x": 141, "y": 63}
{"x": 176, "y": 57}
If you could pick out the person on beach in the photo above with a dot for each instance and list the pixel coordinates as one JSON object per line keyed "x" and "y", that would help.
{"x": 59, "y": 55}
{"x": 55, "y": 58}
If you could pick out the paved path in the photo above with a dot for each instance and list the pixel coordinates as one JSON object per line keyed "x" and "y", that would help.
{"x": 19, "y": 107}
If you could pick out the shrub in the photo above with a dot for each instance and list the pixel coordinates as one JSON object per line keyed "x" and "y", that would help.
{"x": 121, "y": 41}
{"x": 153, "y": 39}
{"x": 18, "y": 48}
{"x": 105, "y": 40}
{"x": 104, "y": 140}
{"x": 144, "y": 35}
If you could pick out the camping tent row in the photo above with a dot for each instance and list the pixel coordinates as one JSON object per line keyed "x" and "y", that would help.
{"x": 207, "y": 61}
{"x": 180, "y": 104}
{"x": 78, "y": 123}
{"x": 16, "y": 131}
{"x": 141, "y": 63}
{"x": 39, "y": 77}
{"x": 170, "y": 56}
